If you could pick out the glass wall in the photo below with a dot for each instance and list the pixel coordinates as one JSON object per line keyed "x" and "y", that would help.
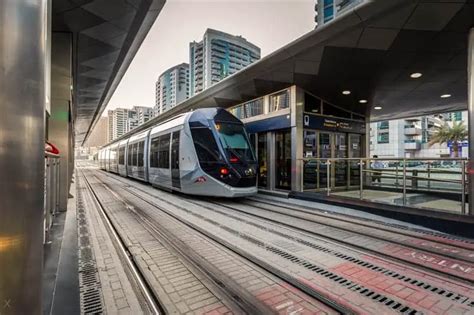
{"x": 283, "y": 159}
{"x": 280, "y": 100}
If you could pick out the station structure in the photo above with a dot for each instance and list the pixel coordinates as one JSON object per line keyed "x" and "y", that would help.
{"x": 313, "y": 98}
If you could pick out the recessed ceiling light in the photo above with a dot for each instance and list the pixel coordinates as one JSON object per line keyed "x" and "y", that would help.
{"x": 378, "y": 107}
{"x": 446, "y": 96}
{"x": 346, "y": 92}
{"x": 363, "y": 101}
{"x": 416, "y": 75}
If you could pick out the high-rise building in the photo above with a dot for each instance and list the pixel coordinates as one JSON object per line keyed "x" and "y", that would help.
{"x": 123, "y": 120}
{"x": 139, "y": 115}
{"x": 110, "y": 125}
{"x": 410, "y": 137}
{"x": 172, "y": 87}
{"x": 328, "y": 10}
{"x": 217, "y": 56}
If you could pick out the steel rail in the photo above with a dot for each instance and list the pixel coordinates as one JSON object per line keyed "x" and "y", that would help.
{"x": 255, "y": 260}
{"x": 151, "y": 299}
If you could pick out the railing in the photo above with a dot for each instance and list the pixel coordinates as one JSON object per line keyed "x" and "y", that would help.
{"x": 51, "y": 192}
{"x": 437, "y": 184}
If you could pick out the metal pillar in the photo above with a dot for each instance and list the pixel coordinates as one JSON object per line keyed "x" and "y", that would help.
{"x": 297, "y": 127}
{"x": 23, "y": 51}
{"x": 470, "y": 74}
{"x": 60, "y": 122}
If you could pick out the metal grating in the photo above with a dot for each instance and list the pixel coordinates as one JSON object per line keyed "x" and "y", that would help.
{"x": 89, "y": 285}
{"x": 343, "y": 282}
{"x": 456, "y": 297}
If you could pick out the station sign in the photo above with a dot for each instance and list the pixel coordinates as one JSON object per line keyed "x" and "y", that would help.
{"x": 333, "y": 124}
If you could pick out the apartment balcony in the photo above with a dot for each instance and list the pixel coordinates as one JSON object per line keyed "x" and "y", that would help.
{"x": 411, "y": 130}
{"x": 412, "y": 144}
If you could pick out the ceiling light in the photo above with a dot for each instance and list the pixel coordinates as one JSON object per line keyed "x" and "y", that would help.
{"x": 446, "y": 96}
{"x": 346, "y": 92}
{"x": 363, "y": 101}
{"x": 416, "y": 75}
{"x": 378, "y": 107}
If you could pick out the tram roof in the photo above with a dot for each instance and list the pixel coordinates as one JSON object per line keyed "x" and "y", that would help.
{"x": 371, "y": 51}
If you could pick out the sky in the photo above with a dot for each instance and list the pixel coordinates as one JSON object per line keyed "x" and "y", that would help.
{"x": 269, "y": 24}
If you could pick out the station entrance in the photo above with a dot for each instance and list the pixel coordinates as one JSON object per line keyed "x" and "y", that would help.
{"x": 329, "y": 145}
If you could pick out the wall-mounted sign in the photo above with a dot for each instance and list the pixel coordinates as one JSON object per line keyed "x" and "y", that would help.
{"x": 333, "y": 124}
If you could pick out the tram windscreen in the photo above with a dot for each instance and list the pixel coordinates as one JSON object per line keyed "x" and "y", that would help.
{"x": 235, "y": 141}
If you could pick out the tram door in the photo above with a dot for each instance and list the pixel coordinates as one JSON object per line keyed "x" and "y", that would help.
{"x": 175, "y": 176}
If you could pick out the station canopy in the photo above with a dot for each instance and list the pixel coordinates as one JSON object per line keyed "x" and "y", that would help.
{"x": 106, "y": 35}
{"x": 372, "y": 51}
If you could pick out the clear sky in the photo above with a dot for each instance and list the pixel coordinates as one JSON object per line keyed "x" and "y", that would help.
{"x": 269, "y": 24}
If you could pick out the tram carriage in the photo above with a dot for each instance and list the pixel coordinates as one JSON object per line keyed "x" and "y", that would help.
{"x": 203, "y": 152}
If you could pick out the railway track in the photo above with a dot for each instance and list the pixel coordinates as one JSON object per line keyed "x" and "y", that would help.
{"x": 236, "y": 297}
{"x": 446, "y": 291}
{"x": 151, "y": 301}
{"x": 424, "y": 234}
{"x": 425, "y": 255}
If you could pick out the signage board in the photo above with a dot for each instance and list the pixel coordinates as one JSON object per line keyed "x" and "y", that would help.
{"x": 333, "y": 124}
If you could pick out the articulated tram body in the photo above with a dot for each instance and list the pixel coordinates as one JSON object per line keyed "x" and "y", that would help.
{"x": 204, "y": 152}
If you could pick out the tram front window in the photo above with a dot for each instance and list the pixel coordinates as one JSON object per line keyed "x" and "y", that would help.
{"x": 235, "y": 142}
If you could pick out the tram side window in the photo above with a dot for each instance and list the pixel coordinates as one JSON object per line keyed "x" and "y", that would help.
{"x": 141, "y": 146}
{"x": 164, "y": 152}
{"x": 130, "y": 154}
{"x": 135, "y": 153}
{"x": 205, "y": 144}
{"x": 122, "y": 155}
{"x": 154, "y": 152}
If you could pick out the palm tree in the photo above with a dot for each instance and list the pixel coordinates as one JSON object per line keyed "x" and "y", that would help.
{"x": 447, "y": 133}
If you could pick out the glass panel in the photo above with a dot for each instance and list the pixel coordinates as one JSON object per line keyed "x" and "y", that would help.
{"x": 283, "y": 160}
{"x": 140, "y": 153}
{"x": 206, "y": 146}
{"x": 164, "y": 152}
{"x": 340, "y": 167}
{"x": 235, "y": 142}
{"x": 310, "y": 172}
{"x": 154, "y": 152}
{"x": 254, "y": 108}
{"x": 330, "y": 110}
{"x": 262, "y": 160}
{"x": 325, "y": 144}
{"x": 312, "y": 104}
{"x": 279, "y": 101}
{"x": 355, "y": 150}
{"x": 122, "y": 155}
{"x": 130, "y": 155}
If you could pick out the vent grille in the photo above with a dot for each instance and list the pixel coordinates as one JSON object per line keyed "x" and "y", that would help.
{"x": 459, "y": 298}
{"x": 89, "y": 284}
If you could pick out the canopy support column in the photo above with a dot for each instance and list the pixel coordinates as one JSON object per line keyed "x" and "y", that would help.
{"x": 470, "y": 74}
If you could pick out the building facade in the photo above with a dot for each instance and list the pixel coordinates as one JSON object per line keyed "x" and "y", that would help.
{"x": 171, "y": 88}
{"x": 123, "y": 120}
{"x": 293, "y": 132}
{"x": 409, "y": 138}
{"x": 328, "y": 10}
{"x": 217, "y": 56}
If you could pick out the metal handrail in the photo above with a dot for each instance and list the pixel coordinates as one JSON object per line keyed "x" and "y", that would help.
{"x": 365, "y": 169}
